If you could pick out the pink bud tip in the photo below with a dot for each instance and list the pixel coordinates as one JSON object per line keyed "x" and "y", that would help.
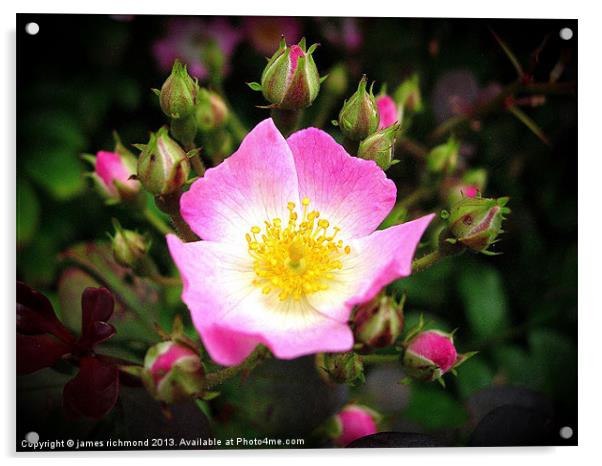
{"x": 387, "y": 111}
{"x": 470, "y": 191}
{"x": 295, "y": 53}
{"x": 435, "y": 347}
{"x": 356, "y": 422}
{"x": 168, "y": 359}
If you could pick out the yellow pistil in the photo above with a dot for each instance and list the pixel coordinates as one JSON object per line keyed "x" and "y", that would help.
{"x": 296, "y": 258}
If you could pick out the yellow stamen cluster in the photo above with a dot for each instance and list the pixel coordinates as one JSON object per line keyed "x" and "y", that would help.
{"x": 297, "y": 258}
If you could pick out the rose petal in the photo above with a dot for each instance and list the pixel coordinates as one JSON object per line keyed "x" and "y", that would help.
{"x": 233, "y": 316}
{"x": 252, "y": 185}
{"x": 352, "y": 193}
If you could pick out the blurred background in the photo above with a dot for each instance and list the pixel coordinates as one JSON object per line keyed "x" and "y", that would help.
{"x": 84, "y": 76}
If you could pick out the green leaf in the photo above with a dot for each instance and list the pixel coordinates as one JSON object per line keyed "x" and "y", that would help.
{"x": 472, "y": 376}
{"x": 58, "y": 170}
{"x": 255, "y": 86}
{"x": 434, "y": 408}
{"x": 28, "y": 212}
{"x": 482, "y": 292}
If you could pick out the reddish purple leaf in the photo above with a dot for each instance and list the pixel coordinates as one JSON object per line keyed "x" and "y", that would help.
{"x": 35, "y": 352}
{"x": 94, "y": 390}
{"x": 35, "y": 315}
{"x": 97, "y": 308}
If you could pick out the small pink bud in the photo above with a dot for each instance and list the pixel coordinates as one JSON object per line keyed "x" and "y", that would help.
{"x": 112, "y": 171}
{"x": 387, "y": 111}
{"x": 429, "y": 355}
{"x": 354, "y": 422}
{"x": 172, "y": 372}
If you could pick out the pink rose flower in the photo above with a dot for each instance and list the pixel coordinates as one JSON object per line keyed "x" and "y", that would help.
{"x": 355, "y": 422}
{"x": 388, "y": 112}
{"x": 265, "y": 32}
{"x": 289, "y": 245}
{"x": 187, "y": 40}
{"x": 111, "y": 175}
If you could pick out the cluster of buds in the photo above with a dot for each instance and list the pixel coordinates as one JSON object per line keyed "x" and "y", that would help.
{"x": 359, "y": 116}
{"x": 341, "y": 368}
{"x": 163, "y": 166}
{"x": 352, "y": 422}
{"x": 429, "y": 354}
{"x": 379, "y": 322}
{"x": 290, "y": 80}
{"x": 476, "y": 222}
{"x": 173, "y": 372}
{"x": 113, "y": 174}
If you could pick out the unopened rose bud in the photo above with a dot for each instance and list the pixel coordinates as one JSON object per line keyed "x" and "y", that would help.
{"x": 211, "y": 111}
{"x": 443, "y": 158}
{"x": 429, "y": 355}
{"x": 359, "y": 118}
{"x": 129, "y": 247}
{"x": 476, "y": 222}
{"x": 112, "y": 172}
{"x": 163, "y": 166}
{"x": 379, "y": 147}
{"x": 341, "y": 368}
{"x": 388, "y": 111}
{"x": 354, "y": 421}
{"x": 379, "y": 322}
{"x": 408, "y": 96}
{"x": 173, "y": 372}
{"x": 179, "y": 92}
{"x": 290, "y": 80}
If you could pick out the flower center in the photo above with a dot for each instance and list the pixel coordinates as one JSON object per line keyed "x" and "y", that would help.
{"x": 296, "y": 259}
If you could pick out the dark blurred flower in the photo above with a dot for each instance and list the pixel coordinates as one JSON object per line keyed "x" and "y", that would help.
{"x": 42, "y": 340}
{"x": 193, "y": 41}
{"x": 265, "y": 32}
{"x": 354, "y": 421}
{"x": 342, "y": 32}
{"x": 459, "y": 93}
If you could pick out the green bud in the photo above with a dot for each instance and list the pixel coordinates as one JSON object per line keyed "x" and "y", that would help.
{"x": 379, "y": 322}
{"x": 408, "y": 95}
{"x": 173, "y": 372}
{"x": 129, "y": 247}
{"x": 290, "y": 80}
{"x": 379, "y": 146}
{"x": 163, "y": 166}
{"x": 341, "y": 368}
{"x": 476, "y": 177}
{"x": 178, "y": 94}
{"x": 359, "y": 116}
{"x": 211, "y": 111}
{"x": 443, "y": 158}
{"x": 477, "y": 222}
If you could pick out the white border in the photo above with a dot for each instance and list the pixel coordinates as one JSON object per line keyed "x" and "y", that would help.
{"x": 590, "y": 243}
